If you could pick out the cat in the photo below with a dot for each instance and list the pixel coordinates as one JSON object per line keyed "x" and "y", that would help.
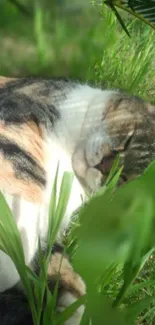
{"x": 44, "y": 122}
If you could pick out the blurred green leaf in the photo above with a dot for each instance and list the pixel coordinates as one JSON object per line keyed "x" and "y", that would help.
{"x": 101, "y": 311}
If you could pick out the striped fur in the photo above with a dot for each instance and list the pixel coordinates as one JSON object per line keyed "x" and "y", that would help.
{"x": 43, "y": 122}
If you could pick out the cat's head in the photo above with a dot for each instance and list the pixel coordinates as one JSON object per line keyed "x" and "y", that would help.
{"x": 127, "y": 128}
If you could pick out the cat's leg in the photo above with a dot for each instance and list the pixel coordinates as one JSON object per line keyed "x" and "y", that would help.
{"x": 65, "y": 301}
{"x": 71, "y": 286}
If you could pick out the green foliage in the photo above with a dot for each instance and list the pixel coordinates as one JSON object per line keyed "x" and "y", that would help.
{"x": 144, "y": 10}
{"x": 35, "y": 286}
{"x": 111, "y": 240}
{"x": 116, "y": 232}
{"x": 129, "y": 61}
{"x": 89, "y": 45}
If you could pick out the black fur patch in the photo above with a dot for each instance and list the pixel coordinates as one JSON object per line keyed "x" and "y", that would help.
{"x": 57, "y": 248}
{"x": 17, "y": 107}
{"x": 14, "y": 309}
{"x": 25, "y": 166}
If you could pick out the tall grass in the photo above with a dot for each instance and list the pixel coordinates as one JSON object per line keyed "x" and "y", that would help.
{"x": 115, "y": 236}
{"x": 111, "y": 242}
{"x": 35, "y": 286}
{"x": 126, "y": 63}
{"x": 39, "y": 31}
{"x": 89, "y": 45}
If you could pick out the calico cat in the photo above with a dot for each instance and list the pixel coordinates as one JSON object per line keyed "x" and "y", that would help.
{"x": 46, "y": 121}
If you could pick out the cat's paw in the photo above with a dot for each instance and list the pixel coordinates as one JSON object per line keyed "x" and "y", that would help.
{"x": 65, "y": 301}
{"x": 71, "y": 286}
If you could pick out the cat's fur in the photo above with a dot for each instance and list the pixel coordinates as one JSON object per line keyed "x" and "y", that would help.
{"x": 43, "y": 122}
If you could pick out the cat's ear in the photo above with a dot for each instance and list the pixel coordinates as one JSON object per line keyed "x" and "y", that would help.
{"x": 112, "y": 105}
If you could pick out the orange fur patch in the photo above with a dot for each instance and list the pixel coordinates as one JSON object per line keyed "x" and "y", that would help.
{"x": 28, "y": 137}
{"x": 11, "y": 184}
{"x": 71, "y": 281}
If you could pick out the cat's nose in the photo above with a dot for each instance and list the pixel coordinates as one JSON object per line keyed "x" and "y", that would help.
{"x": 106, "y": 163}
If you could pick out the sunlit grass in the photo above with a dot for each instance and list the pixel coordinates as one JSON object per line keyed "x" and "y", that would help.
{"x": 89, "y": 45}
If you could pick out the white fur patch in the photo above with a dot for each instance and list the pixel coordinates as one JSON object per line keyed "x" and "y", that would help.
{"x": 65, "y": 301}
{"x": 28, "y": 217}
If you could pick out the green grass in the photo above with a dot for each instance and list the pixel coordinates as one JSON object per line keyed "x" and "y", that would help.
{"x": 35, "y": 286}
{"x": 108, "y": 250}
{"x": 88, "y": 45}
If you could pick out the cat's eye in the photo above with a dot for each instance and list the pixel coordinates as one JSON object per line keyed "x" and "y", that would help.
{"x": 126, "y": 143}
{"x": 115, "y": 152}
{"x": 124, "y": 178}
